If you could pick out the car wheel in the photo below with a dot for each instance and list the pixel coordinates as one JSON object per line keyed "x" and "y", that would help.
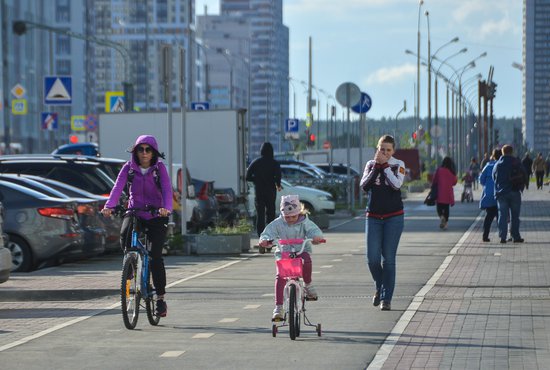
{"x": 21, "y": 256}
{"x": 309, "y": 207}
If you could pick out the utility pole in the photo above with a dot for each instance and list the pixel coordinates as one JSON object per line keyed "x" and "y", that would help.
{"x": 5, "y": 82}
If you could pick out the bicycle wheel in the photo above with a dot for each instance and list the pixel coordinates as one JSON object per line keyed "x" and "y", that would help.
{"x": 129, "y": 292}
{"x": 151, "y": 301}
{"x": 292, "y": 312}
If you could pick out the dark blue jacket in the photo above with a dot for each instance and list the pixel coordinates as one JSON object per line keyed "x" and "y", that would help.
{"x": 502, "y": 172}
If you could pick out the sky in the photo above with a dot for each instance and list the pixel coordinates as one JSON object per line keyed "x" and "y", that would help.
{"x": 364, "y": 42}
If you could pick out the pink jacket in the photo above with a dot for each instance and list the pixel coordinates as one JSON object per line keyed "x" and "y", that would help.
{"x": 445, "y": 181}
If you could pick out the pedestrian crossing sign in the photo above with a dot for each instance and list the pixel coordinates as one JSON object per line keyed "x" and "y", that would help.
{"x": 78, "y": 123}
{"x": 58, "y": 90}
{"x": 115, "y": 101}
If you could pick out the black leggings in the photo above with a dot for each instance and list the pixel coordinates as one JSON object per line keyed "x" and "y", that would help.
{"x": 265, "y": 208}
{"x": 491, "y": 213}
{"x": 156, "y": 233}
{"x": 443, "y": 210}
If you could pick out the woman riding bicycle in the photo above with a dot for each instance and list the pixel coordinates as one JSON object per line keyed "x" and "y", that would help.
{"x": 148, "y": 186}
{"x": 292, "y": 224}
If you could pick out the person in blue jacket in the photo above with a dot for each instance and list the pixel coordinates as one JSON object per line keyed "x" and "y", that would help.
{"x": 488, "y": 201}
{"x": 150, "y": 186}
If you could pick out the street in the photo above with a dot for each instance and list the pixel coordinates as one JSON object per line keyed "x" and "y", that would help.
{"x": 219, "y": 307}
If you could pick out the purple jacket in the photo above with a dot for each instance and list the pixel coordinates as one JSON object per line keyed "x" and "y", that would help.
{"x": 144, "y": 190}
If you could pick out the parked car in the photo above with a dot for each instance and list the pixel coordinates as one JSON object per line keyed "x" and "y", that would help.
{"x": 87, "y": 211}
{"x": 91, "y": 149}
{"x": 341, "y": 169}
{"x": 111, "y": 224}
{"x": 228, "y": 206}
{"x": 208, "y": 203}
{"x": 314, "y": 200}
{"x": 5, "y": 254}
{"x": 84, "y": 174}
{"x": 40, "y": 228}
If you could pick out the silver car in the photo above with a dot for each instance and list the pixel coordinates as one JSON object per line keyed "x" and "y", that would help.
{"x": 5, "y": 254}
{"x": 40, "y": 228}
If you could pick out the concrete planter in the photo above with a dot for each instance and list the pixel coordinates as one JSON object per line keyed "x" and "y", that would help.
{"x": 216, "y": 244}
{"x": 416, "y": 188}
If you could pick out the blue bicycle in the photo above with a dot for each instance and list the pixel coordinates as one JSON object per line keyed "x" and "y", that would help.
{"x": 136, "y": 273}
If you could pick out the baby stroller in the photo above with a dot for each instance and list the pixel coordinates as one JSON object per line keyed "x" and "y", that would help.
{"x": 467, "y": 192}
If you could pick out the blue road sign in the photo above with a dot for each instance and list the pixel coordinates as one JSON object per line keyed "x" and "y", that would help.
{"x": 200, "y": 105}
{"x": 58, "y": 90}
{"x": 292, "y": 125}
{"x": 49, "y": 121}
{"x": 364, "y": 105}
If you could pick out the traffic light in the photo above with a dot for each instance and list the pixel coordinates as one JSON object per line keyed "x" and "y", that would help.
{"x": 414, "y": 135}
{"x": 312, "y": 139}
{"x": 19, "y": 27}
{"x": 73, "y": 139}
{"x": 491, "y": 90}
{"x": 496, "y": 137}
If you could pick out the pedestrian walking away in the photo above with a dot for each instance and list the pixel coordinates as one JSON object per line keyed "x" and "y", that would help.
{"x": 488, "y": 201}
{"x": 538, "y": 168}
{"x": 510, "y": 180}
{"x": 474, "y": 171}
{"x": 382, "y": 179}
{"x": 293, "y": 223}
{"x": 445, "y": 179}
{"x": 265, "y": 173}
{"x": 528, "y": 166}
{"x": 148, "y": 185}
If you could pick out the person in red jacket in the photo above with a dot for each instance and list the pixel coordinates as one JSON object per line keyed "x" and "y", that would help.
{"x": 445, "y": 178}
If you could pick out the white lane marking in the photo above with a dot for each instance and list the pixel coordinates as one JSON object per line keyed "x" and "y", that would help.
{"x": 202, "y": 335}
{"x": 229, "y": 319}
{"x": 336, "y": 260}
{"x": 172, "y": 354}
{"x": 100, "y": 311}
{"x": 347, "y": 255}
{"x": 346, "y": 222}
{"x": 392, "y": 339}
{"x": 316, "y": 272}
{"x": 268, "y": 295}
{"x": 498, "y": 254}
{"x": 252, "y": 306}
{"x": 326, "y": 266}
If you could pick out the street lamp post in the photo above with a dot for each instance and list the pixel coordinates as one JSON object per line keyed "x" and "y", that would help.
{"x": 429, "y": 93}
{"x": 404, "y": 109}
{"x": 225, "y": 53}
{"x": 420, "y": 3}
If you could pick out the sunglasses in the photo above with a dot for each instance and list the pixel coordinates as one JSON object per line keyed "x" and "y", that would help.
{"x": 141, "y": 149}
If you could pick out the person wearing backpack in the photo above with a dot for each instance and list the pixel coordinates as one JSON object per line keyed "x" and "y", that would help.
{"x": 510, "y": 179}
{"x": 148, "y": 184}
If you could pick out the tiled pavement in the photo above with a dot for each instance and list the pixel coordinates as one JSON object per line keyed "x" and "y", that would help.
{"x": 489, "y": 306}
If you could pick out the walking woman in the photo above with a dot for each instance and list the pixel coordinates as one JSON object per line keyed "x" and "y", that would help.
{"x": 488, "y": 201}
{"x": 382, "y": 179}
{"x": 445, "y": 178}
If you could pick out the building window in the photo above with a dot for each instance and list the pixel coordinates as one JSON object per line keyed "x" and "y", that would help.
{"x": 62, "y": 45}
{"x": 62, "y": 11}
{"x": 63, "y": 67}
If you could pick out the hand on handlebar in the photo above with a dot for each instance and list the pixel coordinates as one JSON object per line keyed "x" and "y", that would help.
{"x": 107, "y": 212}
{"x": 265, "y": 243}
{"x": 318, "y": 240}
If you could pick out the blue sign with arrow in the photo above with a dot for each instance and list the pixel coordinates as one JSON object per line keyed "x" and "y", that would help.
{"x": 364, "y": 105}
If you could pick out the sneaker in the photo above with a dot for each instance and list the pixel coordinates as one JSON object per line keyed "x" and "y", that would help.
{"x": 385, "y": 306}
{"x": 376, "y": 299}
{"x": 310, "y": 291}
{"x": 162, "y": 308}
{"x": 443, "y": 222}
{"x": 278, "y": 313}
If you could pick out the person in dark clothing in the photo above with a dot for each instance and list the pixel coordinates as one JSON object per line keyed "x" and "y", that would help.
{"x": 527, "y": 165}
{"x": 265, "y": 173}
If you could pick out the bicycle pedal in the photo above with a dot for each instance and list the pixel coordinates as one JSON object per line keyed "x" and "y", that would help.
{"x": 312, "y": 298}
{"x": 277, "y": 319}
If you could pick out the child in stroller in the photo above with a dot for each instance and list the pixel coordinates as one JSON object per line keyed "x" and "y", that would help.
{"x": 467, "y": 193}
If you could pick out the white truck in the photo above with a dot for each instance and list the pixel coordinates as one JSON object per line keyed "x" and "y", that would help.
{"x": 214, "y": 145}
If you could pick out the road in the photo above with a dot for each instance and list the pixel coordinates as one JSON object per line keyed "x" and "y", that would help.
{"x": 219, "y": 309}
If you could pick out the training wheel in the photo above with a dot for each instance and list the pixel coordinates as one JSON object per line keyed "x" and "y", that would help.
{"x": 318, "y": 327}
{"x": 274, "y": 330}
{"x": 261, "y": 250}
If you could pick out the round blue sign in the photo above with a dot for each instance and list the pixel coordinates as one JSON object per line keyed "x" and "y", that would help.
{"x": 364, "y": 105}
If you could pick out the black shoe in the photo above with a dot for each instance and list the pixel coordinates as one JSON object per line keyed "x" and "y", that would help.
{"x": 385, "y": 306}
{"x": 520, "y": 240}
{"x": 376, "y": 299}
{"x": 502, "y": 241}
{"x": 486, "y": 239}
{"x": 162, "y": 309}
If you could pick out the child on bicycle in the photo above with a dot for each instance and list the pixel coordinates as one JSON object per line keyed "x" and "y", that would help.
{"x": 293, "y": 223}
{"x": 149, "y": 185}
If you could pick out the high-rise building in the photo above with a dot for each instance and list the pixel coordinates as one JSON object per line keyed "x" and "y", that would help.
{"x": 536, "y": 75}
{"x": 269, "y": 69}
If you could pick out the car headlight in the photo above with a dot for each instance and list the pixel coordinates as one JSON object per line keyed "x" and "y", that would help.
{"x": 324, "y": 197}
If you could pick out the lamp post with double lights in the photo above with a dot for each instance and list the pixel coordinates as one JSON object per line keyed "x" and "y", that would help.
{"x": 225, "y": 53}
{"x": 427, "y": 13}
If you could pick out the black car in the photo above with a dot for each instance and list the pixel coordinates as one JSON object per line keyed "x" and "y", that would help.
{"x": 77, "y": 171}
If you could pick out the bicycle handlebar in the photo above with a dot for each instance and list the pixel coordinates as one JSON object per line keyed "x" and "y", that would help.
{"x": 282, "y": 242}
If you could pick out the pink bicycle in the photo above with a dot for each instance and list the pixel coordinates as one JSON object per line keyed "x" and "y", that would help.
{"x": 290, "y": 267}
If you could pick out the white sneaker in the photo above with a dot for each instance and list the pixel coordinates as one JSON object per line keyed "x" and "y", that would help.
{"x": 443, "y": 222}
{"x": 310, "y": 291}
{"x": 278, "y": 313}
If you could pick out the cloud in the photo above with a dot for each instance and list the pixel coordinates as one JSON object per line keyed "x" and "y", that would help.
{"x": 391, "y": 74}
{"x": 496, "y": 27}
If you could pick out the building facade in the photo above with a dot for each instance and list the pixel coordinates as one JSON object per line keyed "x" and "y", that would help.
{"x": 536, "y": 75}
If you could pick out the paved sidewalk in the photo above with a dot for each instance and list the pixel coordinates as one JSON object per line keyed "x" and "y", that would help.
{"x": 487, "y": 307}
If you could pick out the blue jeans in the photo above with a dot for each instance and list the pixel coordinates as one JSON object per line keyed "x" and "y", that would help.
{"x": 382, "y": 241}
{"x": 509, "y": 204}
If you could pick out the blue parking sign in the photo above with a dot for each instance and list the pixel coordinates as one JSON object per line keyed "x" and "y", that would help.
{"x": 292, "y": 125}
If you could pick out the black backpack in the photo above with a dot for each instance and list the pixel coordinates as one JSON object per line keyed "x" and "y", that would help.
{"x": 130, "y": 179}
{"x": 517, "y": 176}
